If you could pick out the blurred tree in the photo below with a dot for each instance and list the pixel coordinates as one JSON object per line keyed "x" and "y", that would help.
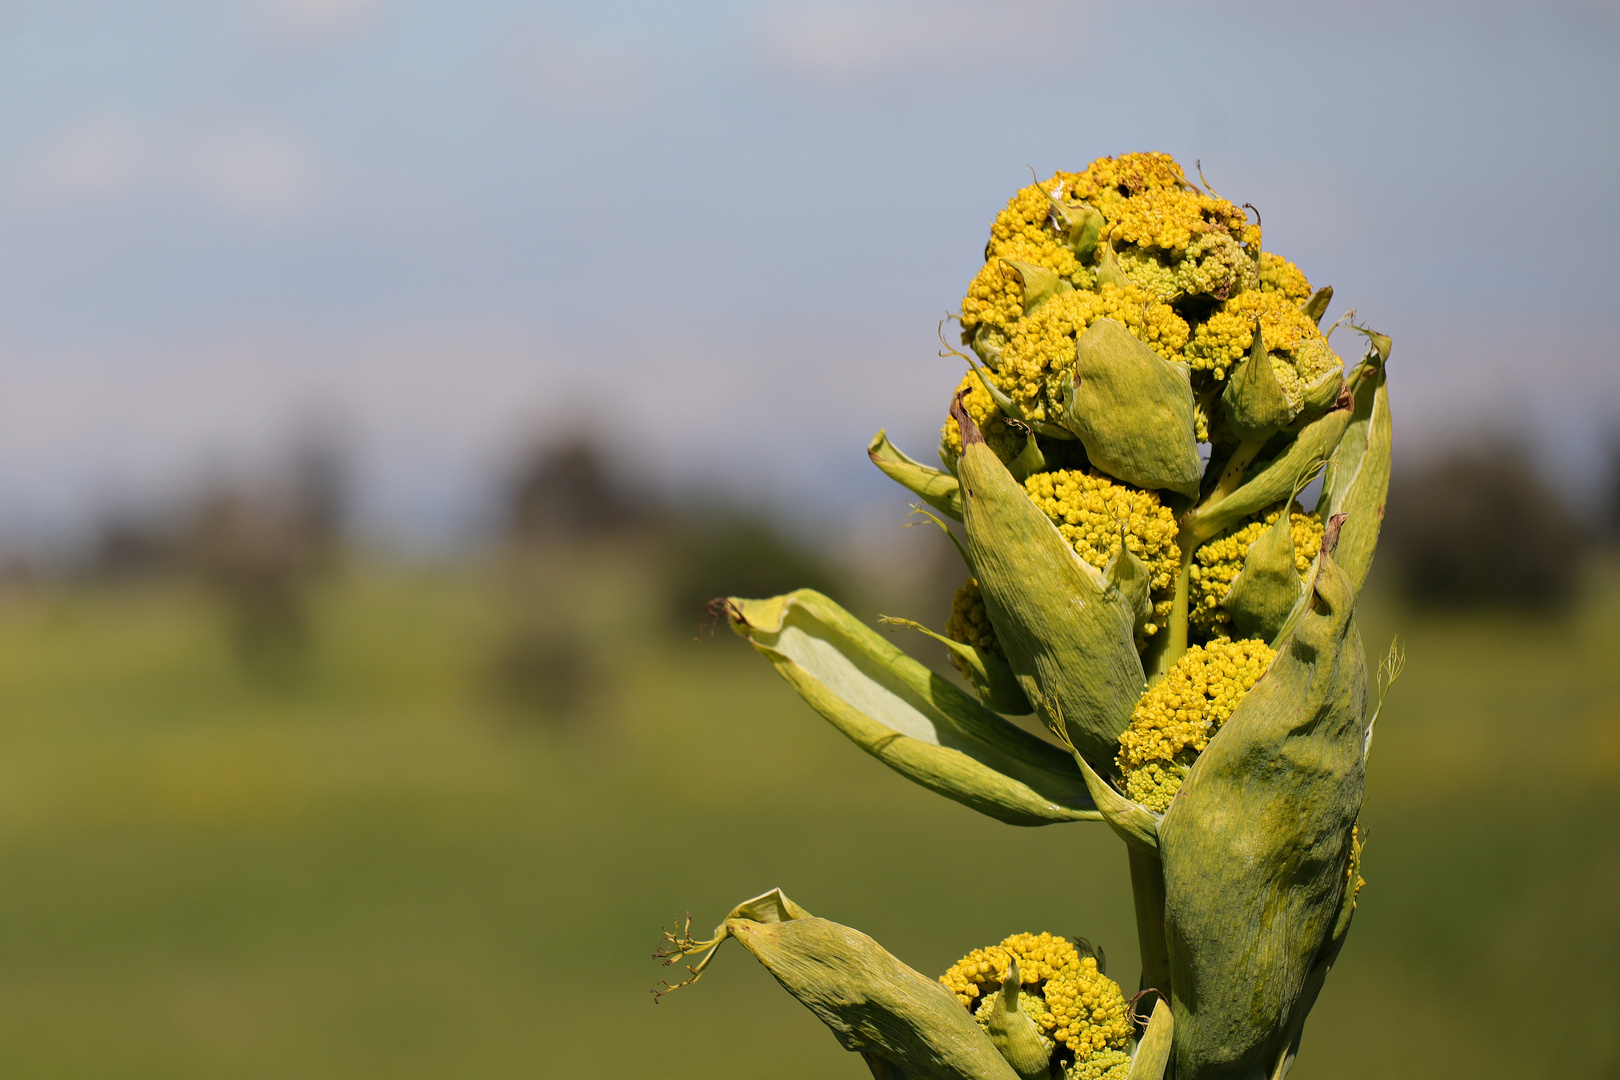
{"x": 567, "y": 491}
{"x": 1481, "y": 527}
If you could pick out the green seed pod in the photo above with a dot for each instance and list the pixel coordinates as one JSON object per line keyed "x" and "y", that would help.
{"x": 874, "y": 1005}
{"x": 1255, "y": 845}
{"x": 1133, "y": 410}
{"x": 1357, "y": 478}
{"x": 1269, "y": 585}
{"x": 917, "y": 723}
{"x": 1014, "y": 1033}
{"x": 1039, "y": 282}
{"x": 1323, "y": 391}
{"x": 1130, "y": 575}
{"x": 1080, "y": 224}
{"x": 1256, "y": 406}
{"x": 1067, "y": 634}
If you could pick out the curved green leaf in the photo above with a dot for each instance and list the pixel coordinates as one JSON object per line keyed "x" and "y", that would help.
{"x": 906, "y": 1025}
{"x": 936, "y": 488}
{"x": 1067, "y": 634}
{"x": 1273, "y": 480}
{"x": 1256, "y": 843}
{"x": 917, "y": 723}
{"x": 1357, "y": 478}
{"x": 994, "y": 681}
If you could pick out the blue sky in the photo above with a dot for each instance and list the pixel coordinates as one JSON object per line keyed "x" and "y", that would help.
{"x": 722, "y": 234}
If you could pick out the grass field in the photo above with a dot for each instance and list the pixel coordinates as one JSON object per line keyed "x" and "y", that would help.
{"x": 379, "y": 869}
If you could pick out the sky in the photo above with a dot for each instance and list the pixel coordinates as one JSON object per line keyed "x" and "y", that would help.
{"x": 719, "y": 236}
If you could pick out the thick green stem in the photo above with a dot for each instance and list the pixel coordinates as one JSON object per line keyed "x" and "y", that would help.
{"x": 1192, "y": 534}
{"x": 1176, "y": 632}
{"x": 1195, "y": 532}
{"x": 1147, "y": 888}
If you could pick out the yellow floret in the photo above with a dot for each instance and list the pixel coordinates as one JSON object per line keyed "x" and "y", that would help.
{"x": 1298, "y": 351}
{"x": 970, "y": 622}
{"x": 1040, "y": 347}
{"x": 998, "y": 434}
{"x": 1278, "y": 275}
{"x": 1104, "y": 1065}
{"x": 1090, "y": 512}
{"x": 1217, "y": 563}
{"x": 1071, "y": 1002}
{"x": 1175, "y": 719}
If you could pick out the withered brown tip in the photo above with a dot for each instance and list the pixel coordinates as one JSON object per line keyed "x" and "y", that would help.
{"x": 1330, "y": 535}
{"x": 964, "y": 422}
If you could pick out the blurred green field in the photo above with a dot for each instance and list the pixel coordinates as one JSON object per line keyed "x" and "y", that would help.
{"x": 380, "y": 868}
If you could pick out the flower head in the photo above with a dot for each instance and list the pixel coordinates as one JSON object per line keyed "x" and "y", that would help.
{"x": 1175, "y": 719}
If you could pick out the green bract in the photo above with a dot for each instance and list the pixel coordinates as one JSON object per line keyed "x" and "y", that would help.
{"x": 1148, "y": 394}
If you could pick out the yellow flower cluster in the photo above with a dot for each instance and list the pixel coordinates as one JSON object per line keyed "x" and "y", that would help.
{"x": 1147, "y": 201}
{"x": 1103, "y": 1065}
{"x": 969, "y": 622}
{"x": 1217, "y": 563}
{"x": 995, "y": 297}
{"x": 1070, "y": 1001}
{"x": 1224, "y": 338}
{"x": 1278, "y": 275}
{"x": 1040, "y": 347}
{"x": 1092, "y": 511}
{"x": 1175, "y": 719}
{"x": 998, "y": 434}
{"x": 1023, "y": 231}
{"x": 1195, "y": 283}
{"x": 1212, "y": 265}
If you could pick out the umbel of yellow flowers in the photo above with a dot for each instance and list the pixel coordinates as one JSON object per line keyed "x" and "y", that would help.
{"x": 1147, "y": 392}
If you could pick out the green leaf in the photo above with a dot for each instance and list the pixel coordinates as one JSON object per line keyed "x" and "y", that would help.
{"x": 1153, "y": 1052}
{"x": 912, "y": 720}
{"x": 1133, "y": 411}
{"x": 936, "y": 488}
{"x": 1127, "y": 573}
{"x": 1133, "y": 823}
{"x": 872, "y": 1003}
{"x": 1067, "y": 634}
{"x": 1357, "y": 478}
{"x": 1256, "y": 843}
{"x": 1256, "y": 406}
{"x": 1317, "y": 305}
{"x": 1275, "y": 479}
{"x": 994, "y": 681}
{"x": 906, "y": 1025}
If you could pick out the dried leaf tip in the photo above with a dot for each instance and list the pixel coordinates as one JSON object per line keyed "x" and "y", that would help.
{"x": 964, "y": 423}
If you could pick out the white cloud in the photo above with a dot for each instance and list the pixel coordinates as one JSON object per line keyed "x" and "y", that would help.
{"x": 839, "y": 42}
{"x": 319, "y": 21}
{"x": 258, "y": 170}
{"x": 95, "y": 159}
{"x": 557, "y": 70}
